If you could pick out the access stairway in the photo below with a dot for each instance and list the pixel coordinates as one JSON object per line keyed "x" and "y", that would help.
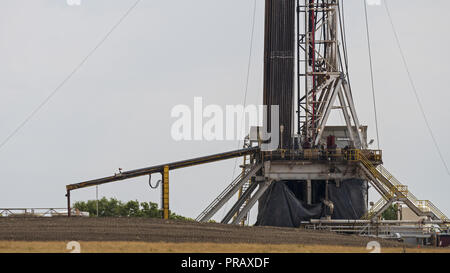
{"x": 392, "y": 191}
{"x": 245, "y": 188}
{"x": 248, "y": 172}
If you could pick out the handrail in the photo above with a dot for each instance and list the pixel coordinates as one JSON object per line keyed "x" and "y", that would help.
{"x": 375, "y": 208}
{"x": 223, "y": 193}
{"x": 394, "y": 186}
{"x": 245, "y": 174}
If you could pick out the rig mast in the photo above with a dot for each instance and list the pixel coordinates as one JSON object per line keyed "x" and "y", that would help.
{"x": 322, "y": 79}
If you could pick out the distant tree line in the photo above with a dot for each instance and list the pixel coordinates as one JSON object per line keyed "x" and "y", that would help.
{"x": 115, "y": 208}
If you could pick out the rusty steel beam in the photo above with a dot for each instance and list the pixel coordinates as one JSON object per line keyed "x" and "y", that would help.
{"x": 160, "y": 168}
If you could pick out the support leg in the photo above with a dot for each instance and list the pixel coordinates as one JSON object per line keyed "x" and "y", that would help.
{"x": 166, "y": 193}
{"x": 347, "y": 117}
{"x": 235, "y": 209}
{"x": 309, "y": 192}
{"x": 262, "y": 189}
{"x": 69, "y": 213}
{"x": 351, "y": 104}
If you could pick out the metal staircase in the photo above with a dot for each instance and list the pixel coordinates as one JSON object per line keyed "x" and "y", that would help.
{"x": 392, "y": 190}
{"x": 227, "y": 194}
{"x": 376, "y": 208}
{"x": 243, "y": 189}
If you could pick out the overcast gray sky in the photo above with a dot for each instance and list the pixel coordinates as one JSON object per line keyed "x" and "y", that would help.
{"x": 115, "y": 111}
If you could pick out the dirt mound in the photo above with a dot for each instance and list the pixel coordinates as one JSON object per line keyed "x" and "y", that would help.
{"x": 156, "y": 230}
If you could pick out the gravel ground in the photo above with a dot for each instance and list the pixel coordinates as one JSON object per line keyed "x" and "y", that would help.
{"x": 156, "y": 230}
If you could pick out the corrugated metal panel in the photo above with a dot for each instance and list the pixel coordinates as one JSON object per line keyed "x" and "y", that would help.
{"x": 279, "y": 62}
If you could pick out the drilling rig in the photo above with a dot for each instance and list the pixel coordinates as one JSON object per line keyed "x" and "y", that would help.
{"x": 317, "y": 173}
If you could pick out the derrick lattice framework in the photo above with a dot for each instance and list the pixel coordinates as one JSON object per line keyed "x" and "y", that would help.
{"x": 322, "y": 82}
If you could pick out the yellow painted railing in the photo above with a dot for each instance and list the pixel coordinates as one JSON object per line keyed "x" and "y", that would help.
{"x": 393, "y": 186}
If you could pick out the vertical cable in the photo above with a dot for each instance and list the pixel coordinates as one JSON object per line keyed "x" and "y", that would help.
{"x": 371, "y": 74}
{"x": 246, "y": 83}
{"x": 416, "y": 94}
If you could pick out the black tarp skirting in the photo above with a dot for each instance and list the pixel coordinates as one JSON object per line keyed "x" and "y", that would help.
{"x": 284, "y": 205}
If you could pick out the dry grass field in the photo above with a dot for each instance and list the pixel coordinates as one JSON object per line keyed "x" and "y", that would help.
{"x": 144, "y": 247}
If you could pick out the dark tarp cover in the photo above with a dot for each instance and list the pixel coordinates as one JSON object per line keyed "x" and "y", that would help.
{"x": 349, "y": 199}
{"x": 281, "y": 207}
